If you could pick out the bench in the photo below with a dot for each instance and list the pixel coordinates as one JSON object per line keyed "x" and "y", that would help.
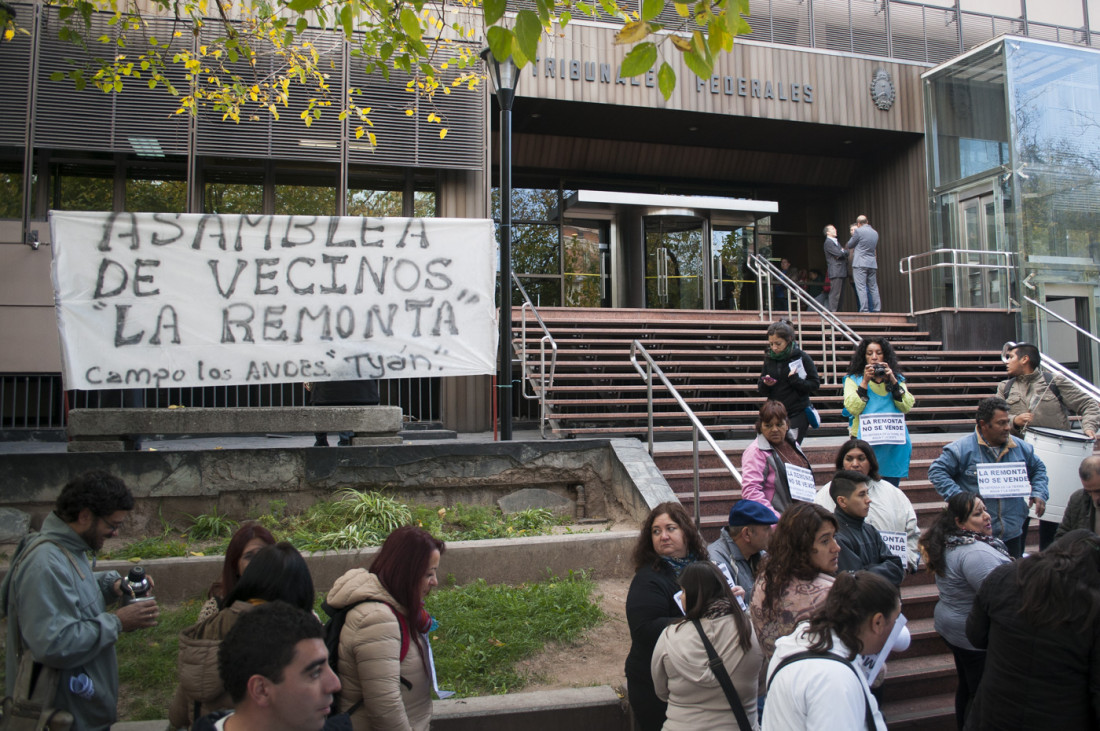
{"x": 115, "y": 430}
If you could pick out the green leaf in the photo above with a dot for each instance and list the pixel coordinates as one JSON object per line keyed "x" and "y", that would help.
{"x": 699, "y": 64}
{"x": 564, "y": 18}
{"x": 500, "y": 42}
{"x": 233, "y": 55}
{"x": 609, "y": 8}
{"x": 543, "y": 11}
{"x": 57, "y": 76}
{"x": 301, "y": 25}
{"x": 652, "y": 8}
{"x": 640, "y": 59}
{"x": 666, "y": 80}
{"x": 303, "y": 6}
{"x": 385, "y": 51}
{"x": 494, "y": 10}
{"x": 346, "y": 20}
{"x": 528, "y": 32}
{"x": 411, "y": 24}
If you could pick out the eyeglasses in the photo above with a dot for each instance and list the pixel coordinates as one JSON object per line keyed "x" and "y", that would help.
{"x": 113, "y": 526}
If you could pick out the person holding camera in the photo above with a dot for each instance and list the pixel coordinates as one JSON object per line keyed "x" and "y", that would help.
{"x": 875, "y": 402}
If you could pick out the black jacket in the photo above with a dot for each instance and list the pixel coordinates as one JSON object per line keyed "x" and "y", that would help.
{"x": 650, "y": 608}
{"x": 862, "y": 548}
{"x": 792, "y": 391}
{"x": 1035, "y": 677}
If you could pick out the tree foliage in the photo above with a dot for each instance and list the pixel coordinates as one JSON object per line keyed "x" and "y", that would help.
{"x": 245, "y": 58}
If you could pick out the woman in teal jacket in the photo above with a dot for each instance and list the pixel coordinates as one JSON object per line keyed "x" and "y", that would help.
{"x": 875, "y": 387}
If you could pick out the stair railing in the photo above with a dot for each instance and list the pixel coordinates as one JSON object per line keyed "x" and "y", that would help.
{"x": 1056, "y": 316}
{"x": 697, "y": 428}
{"x": 909, "y": 266}
{"x": 831, "y": 325}
{"x": 542, "y": 380}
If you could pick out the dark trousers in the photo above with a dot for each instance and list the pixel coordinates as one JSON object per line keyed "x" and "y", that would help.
{"x": 1015, "y": 545}
{"x": 969, "y": 664}
{"x": 800, "y": 422}
{"x": 895, "y": 481}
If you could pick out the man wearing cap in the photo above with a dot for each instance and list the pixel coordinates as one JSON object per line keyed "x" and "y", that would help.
{"x": 740, "y": 546}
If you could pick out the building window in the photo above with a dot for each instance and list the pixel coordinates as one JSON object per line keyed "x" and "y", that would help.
{"x": 83, "y": 192}
{"x": 305, "y": 200}
{"x": 11, "y": 194}
{"x": 375, "y": 203}
{"x": 156, "y": 196}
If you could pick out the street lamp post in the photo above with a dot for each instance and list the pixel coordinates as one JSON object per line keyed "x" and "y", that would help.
{"x": 505, "y": 77}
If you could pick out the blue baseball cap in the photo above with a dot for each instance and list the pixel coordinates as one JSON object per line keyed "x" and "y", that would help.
{"x": 750, "y": 512}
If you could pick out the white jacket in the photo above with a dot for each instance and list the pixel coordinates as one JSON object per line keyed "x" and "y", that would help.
{"x": 817, "y": 695}
{"x": 890, "y": 512}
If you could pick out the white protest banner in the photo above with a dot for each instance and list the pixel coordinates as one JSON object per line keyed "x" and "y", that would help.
{"x": 897, "y": 543}
{"x": 1003, "y": 480}
{"x": 165, "y": 299}
{"x": 800, "y": 481}
{"x": 882, "y": 428}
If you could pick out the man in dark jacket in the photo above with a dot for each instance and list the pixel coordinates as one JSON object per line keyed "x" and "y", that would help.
{"x": 1083, "y": 509}
{"x": 836, "y": 262}
{"x": 861, "y": 546}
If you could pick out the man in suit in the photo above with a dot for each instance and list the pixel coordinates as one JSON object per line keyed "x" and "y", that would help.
{"x": 836, "y": 260}
{"x": 864, "y": 245}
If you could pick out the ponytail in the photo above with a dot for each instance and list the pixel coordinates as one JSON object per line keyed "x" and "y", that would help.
{"x": 854, "y": 598}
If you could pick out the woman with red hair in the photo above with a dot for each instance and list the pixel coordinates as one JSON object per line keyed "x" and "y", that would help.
{"x": 249, "y": 539}
{"x": 383, "y": 657}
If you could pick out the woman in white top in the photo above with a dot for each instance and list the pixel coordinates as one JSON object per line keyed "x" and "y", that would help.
{"x": 890, "y": 512}
{"x": 681, "y": 675}
{"x": 827, "y": 689}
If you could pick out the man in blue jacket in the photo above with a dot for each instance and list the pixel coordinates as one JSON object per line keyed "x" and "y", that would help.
{"x": 990, "y": 462}
{"x": 57, "y": 607}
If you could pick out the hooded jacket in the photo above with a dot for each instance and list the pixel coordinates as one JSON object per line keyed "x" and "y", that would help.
{"x": 60, "y": 608}
{"x": 197, "y": 665}
{"x": 682, "y": 677}
{"x": 369, "y": 663}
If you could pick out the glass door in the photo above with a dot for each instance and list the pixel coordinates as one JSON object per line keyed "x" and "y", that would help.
{"x": 586, "y": 258}
{"x": 728, "y": 249}
{"x": 983, "y": 287}
{"x": 674, "y": 262}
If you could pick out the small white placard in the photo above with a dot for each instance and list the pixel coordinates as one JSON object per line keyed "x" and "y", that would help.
{"x": 882, "y": 428}
{"x": 801, "y": 483}
{"x": 898, "y": 545}
{"x": 734, "y": 587}
{"x": 1003, "y": 480}
{"x": 797, "y": 367}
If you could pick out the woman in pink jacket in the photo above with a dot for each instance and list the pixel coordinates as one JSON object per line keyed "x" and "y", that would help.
{"x": 765, "y": 462}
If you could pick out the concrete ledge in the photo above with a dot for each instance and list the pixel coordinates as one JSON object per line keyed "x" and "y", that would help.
{"x": 497, "y": 561}
{"x": 101, "y": 427}
{"x": 577, "y": 709}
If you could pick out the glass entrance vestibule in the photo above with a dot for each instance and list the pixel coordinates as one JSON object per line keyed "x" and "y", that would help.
{"x": 1013, "y": 146}
{"x": 646, "y": 251}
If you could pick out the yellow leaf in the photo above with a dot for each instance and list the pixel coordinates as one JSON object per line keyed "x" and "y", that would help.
{"x": 373, "y": 139}
{"x": 135, "y": 559}
{"x": 442, "y": 133}
{"x": 197, "y": 553}
{"x": 680, "y": 42}
{"x": 9, "y": 33}
{"x": 359, "y": 131}
{"x": 632, "y": 32}
{"x": 408, "y": 112}
{"x": 682, "y": 10}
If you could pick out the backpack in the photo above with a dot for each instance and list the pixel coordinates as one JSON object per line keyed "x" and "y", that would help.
{"x": 335, "y": 625}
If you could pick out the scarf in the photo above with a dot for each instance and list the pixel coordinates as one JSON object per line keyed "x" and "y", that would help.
{"x": 677, "y": 564}
{"x": 964, "y": 537}
{"x": 781, "y": 355}
{"x": 718, "y": 608}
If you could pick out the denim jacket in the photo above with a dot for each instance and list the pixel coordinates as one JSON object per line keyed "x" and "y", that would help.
{"x": 956, "y": 470}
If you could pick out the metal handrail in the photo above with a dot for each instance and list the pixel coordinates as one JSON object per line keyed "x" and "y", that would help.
{"x": 830, "y": 323}
{"x": 696, "y": 425}
{"x": 1056, "y": 316}
{"x": 905, "y": 266}
{"x": 545, "y": 380}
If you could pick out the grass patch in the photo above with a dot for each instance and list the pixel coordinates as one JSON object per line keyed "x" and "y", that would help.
{"x": 147, "y": 664}
{"x": 485, "y": 630}
{"x": 353, "y": 520}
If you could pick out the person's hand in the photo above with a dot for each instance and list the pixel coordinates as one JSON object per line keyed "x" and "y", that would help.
{"x": 738, "y": 591}
{"x": 1090, "y": 433}
{"x": 793, "y": 373}
{"x": 769, "y": 381}
{"x": 1039, "y": 504}
{"x": 890, "y": 374}
{"x": 868, "y": 375}
{"x": 139, "y": 615}
{"x": 1022, "y": 421}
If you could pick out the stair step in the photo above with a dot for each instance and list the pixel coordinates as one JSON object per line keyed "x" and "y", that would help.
{"x": 927, "y": 713}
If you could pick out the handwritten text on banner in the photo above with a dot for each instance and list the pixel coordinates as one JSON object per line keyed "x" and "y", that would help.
{"x": 159, "y": 300}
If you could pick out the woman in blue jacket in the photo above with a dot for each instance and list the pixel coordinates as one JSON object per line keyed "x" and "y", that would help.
{"x": 875, "y": 386}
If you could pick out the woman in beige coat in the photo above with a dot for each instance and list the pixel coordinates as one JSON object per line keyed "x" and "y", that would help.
{"x": 383, "y": 662}
{"x": 681, "y": 674}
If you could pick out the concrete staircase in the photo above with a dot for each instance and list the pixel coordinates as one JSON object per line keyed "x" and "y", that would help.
{"x": 713, "y": 358}
{"x": 920, "y": 687}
